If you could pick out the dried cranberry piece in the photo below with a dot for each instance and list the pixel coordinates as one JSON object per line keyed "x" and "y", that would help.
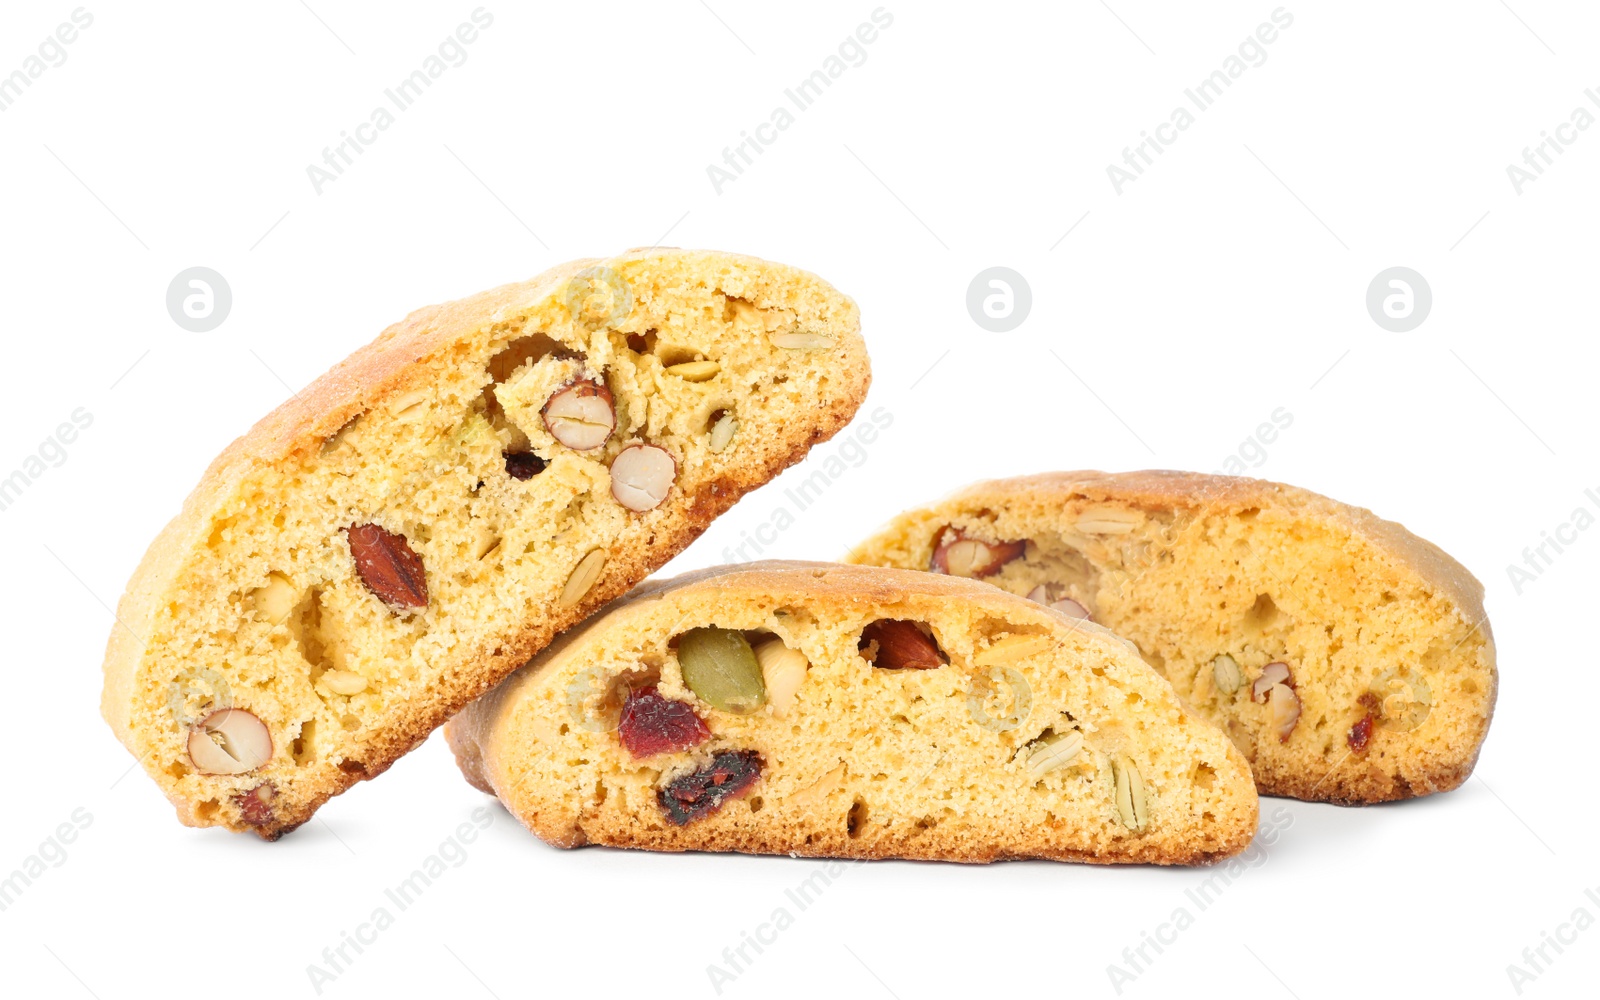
{"x": 691, "y": 796}
{"x": 1361, "y": 732}
{"x": 523, "y": 464}
{"x": 652, "y": 724}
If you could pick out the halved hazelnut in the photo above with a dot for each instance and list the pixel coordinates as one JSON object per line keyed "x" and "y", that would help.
{"x": 580, "y": 415}
{"x": 641, "y": 476}
{"x": 229, "y": 741}
{"x": 958, "y": 555}
{"x": 899, "y": 644}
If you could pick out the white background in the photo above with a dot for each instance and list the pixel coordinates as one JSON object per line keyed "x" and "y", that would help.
{"x": 1170, "y": 321}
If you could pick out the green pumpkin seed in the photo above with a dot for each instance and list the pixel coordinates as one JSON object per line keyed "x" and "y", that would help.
{"x": 719, "y": 666}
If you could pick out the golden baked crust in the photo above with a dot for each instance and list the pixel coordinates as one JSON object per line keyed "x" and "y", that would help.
{"x": 396, "y": 434}
{"x": 865, "y": 762}
{"x": 1263, "y": 572}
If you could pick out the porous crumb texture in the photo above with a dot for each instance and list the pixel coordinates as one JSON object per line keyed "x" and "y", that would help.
{"x": 1378, "y": 639}
{"x": 965, "y": 761}
{"x": 413, "y": 526}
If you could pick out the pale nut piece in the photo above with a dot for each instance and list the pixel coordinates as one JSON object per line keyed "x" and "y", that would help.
{"x": 1041, "y": 593}
{"x": 744, "y": 312}
{"x": 1283, "y": 708}
{"x": 819, "y": 789}
{"x": 484, "y": 540}
{"x": 343, "y": 682}
{"x": 641, "y": 476}
{"x": 274, "y": 601}
{"x": 1072, "y": 609}
{"x": 1226, "y": 674}
{"x": 583, "y": 577}
{"x": 580, "y": 415}
{"x": 1054, "y": 753}
{"x": 1272, "y": 675}
{"x": 1133, "y": 807}
{"x": 694, "y": 371}
{"x": 1010, "y": 649}
{"x": 784, "y": 670}
{"x": 229, "y": 741}
{"x": 1108, "y": 520}
{"x": 409, "y": 406}
{"x": 722, "y": 432}
{"x": 795, "y": 340}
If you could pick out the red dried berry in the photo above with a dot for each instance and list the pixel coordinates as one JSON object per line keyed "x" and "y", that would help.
{"x": 523, "y": 465}
{"x": 652, "y": 724}
{"x": 1361, "y": 732}
{"x": 255, "y": 806}
{"x": 691, "y": 796}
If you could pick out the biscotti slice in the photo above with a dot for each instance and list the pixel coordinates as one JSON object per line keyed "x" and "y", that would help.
{"x": 842, "y": 711}
{"x": 422, "y": 519}
{"x": 1349, "y": 659}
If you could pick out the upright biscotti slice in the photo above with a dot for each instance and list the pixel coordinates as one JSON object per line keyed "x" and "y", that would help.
{"x": 1349, "y": 659}
{"x": 842, "y": 711}
{"x": 425, "y": 517}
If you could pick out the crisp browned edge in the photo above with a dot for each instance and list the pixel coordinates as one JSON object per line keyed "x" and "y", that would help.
{"x": 385, "y": 368}
{"x": 1168, "y": 489}
{"x": 472, "y": 731}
